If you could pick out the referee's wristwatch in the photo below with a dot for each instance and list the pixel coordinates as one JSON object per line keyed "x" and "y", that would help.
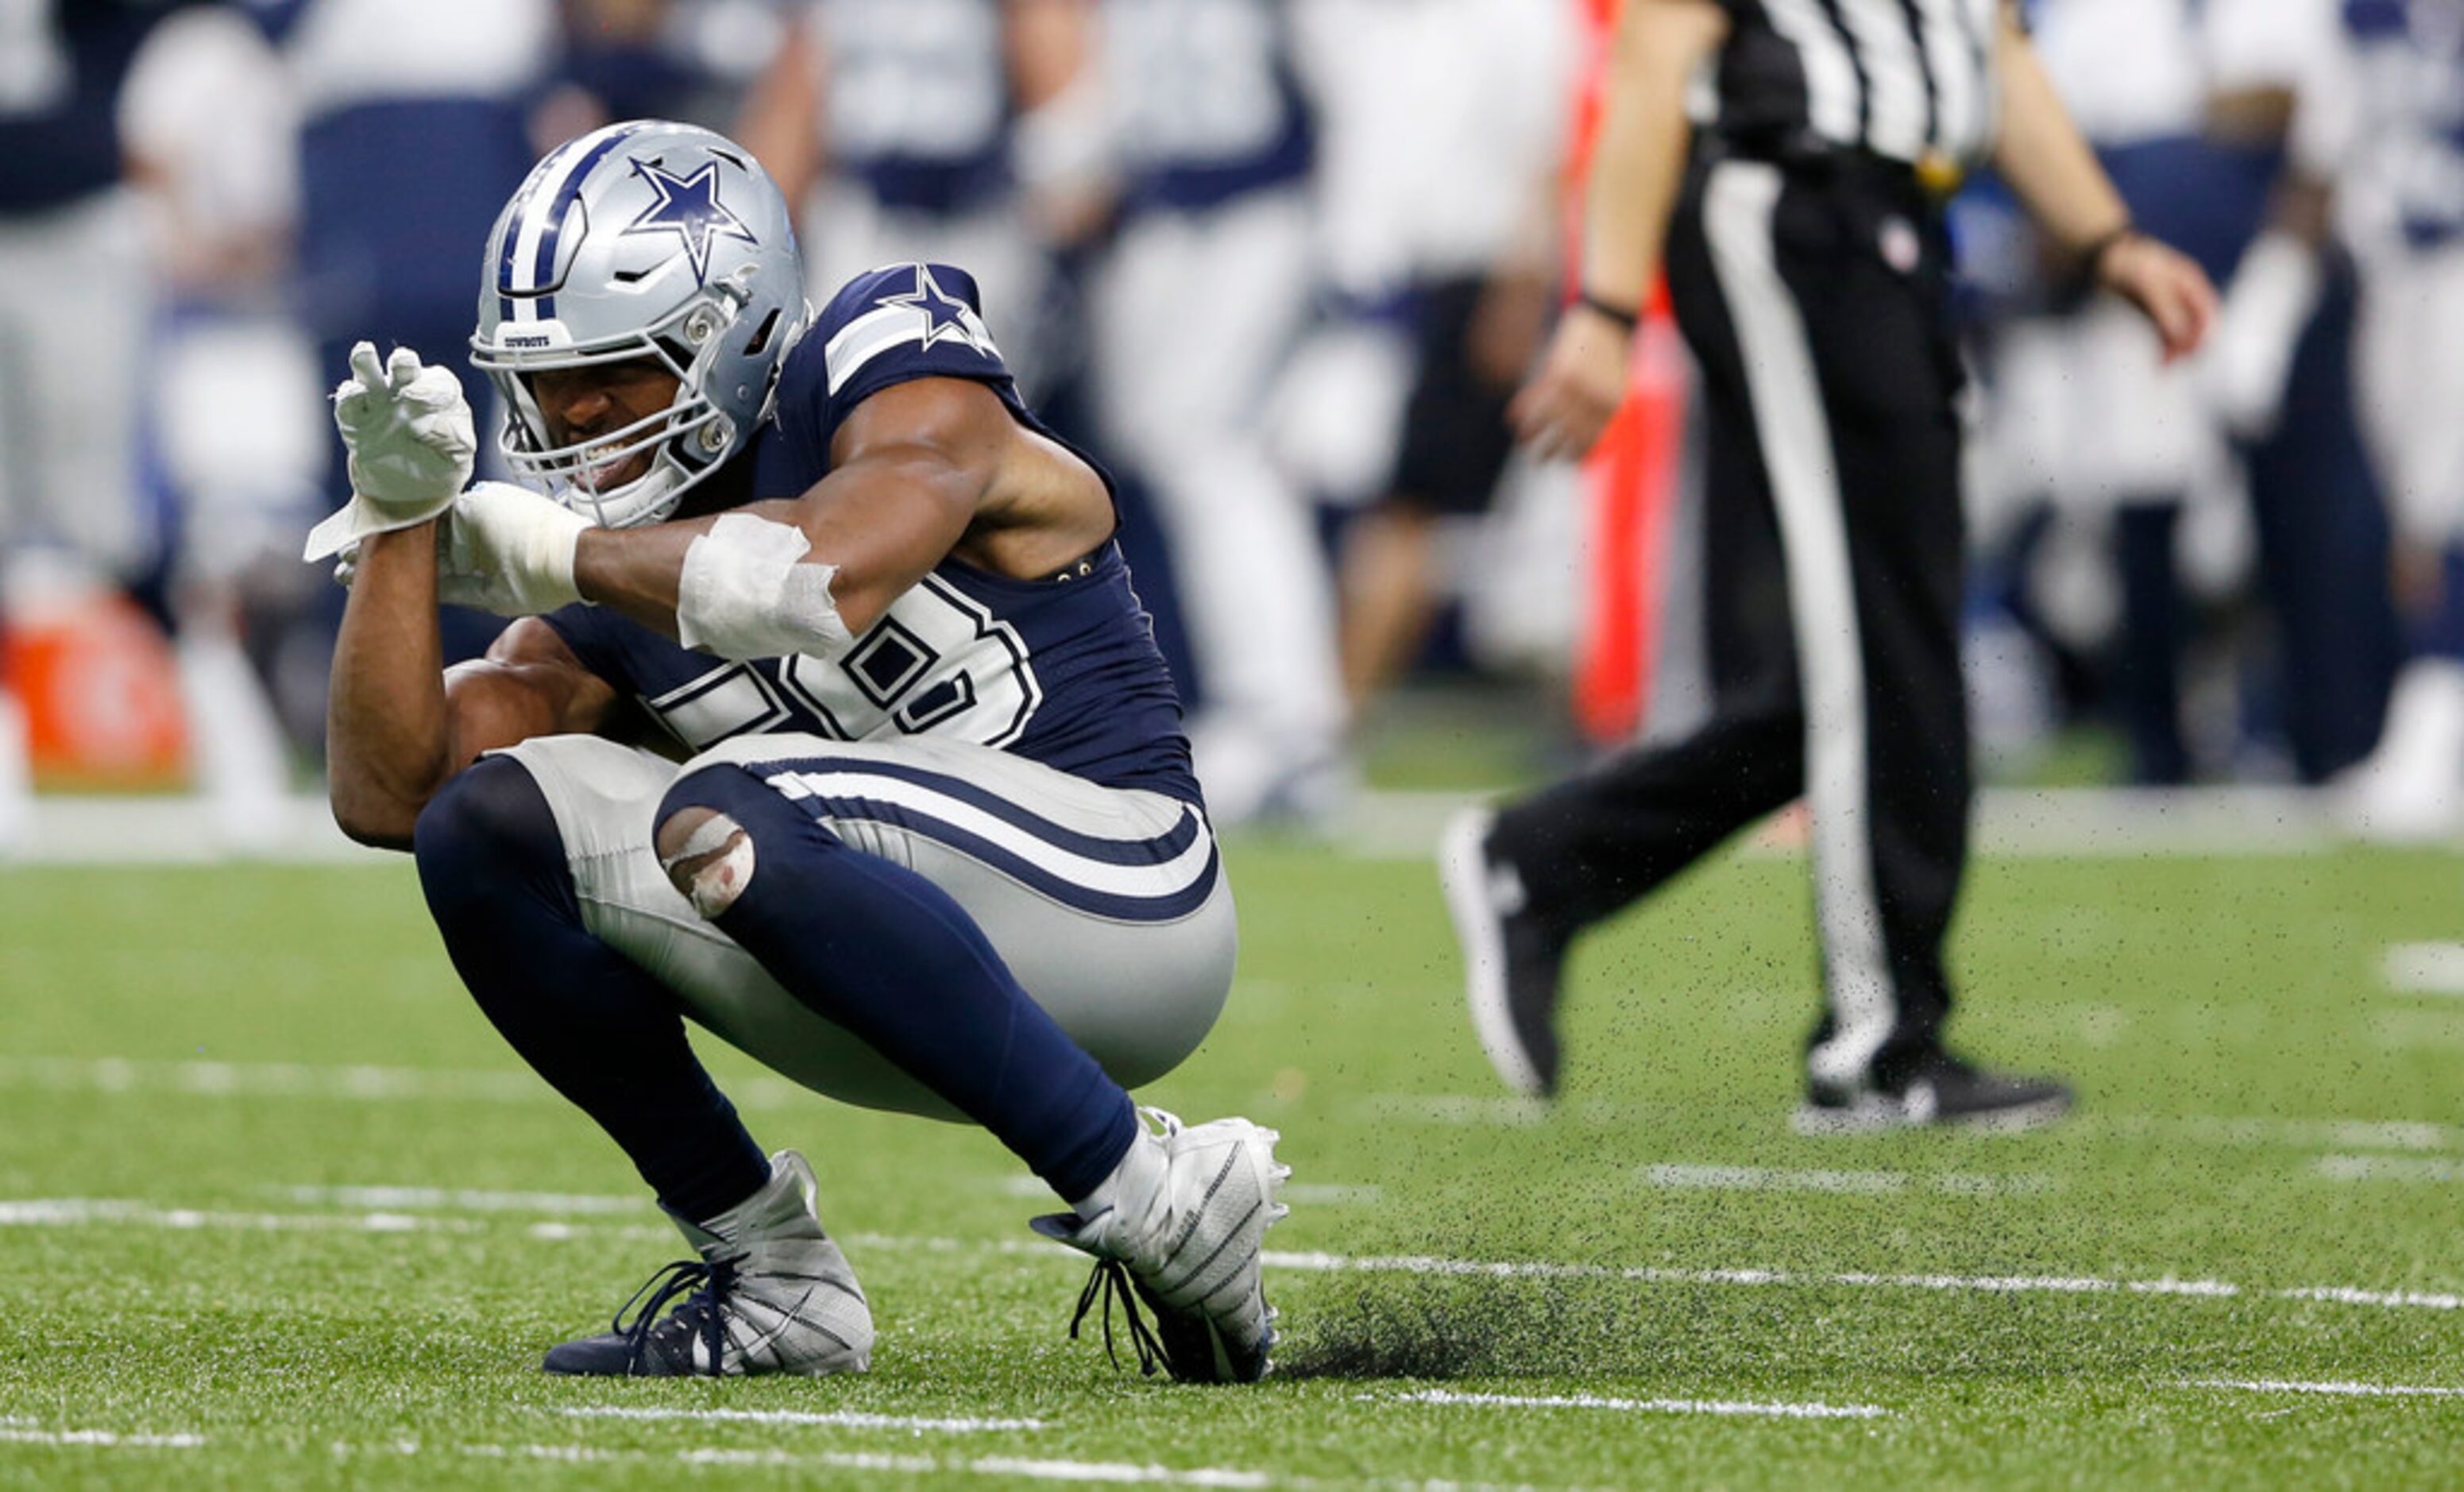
{"x": 2091, "y": 260}
{"x": 1626, "y": 318}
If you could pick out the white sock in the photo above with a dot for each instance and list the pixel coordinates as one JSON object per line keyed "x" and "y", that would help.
{"x": 1131, "y": 1182}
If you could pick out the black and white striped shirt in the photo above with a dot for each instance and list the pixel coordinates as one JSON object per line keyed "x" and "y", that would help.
{"x": 1903, "y": 78}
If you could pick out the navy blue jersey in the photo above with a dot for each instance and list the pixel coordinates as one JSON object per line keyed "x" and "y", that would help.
{"x": 1062, "y": 671}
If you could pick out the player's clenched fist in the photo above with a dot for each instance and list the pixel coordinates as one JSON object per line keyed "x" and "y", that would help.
{"x": 407, "y": 430}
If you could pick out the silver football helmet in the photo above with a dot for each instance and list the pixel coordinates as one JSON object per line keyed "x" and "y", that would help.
{"x": 649, "y": 239}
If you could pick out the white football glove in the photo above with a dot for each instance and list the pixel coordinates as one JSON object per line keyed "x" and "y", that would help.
{"x": 408, "y": 432}
{"x": 507, "y": 550}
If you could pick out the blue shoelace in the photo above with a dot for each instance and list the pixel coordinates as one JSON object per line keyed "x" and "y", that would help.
{"x": 705, "y": 1285}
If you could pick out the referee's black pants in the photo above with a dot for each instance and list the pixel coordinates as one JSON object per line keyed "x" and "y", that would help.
{"x": 1816, "y": 301}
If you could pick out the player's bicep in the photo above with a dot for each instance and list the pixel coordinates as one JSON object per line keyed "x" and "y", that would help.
{"x": 530, "y": 684}
{"x": 910, "y": 468}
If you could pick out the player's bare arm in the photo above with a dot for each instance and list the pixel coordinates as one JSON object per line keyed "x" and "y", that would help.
{"x": 399, "y": 725}
{"x": 1636, "y": 170}
{"x": 920, "y": 472}
{"x": 2050, "y": 166}
{"x": 397, "y": 729}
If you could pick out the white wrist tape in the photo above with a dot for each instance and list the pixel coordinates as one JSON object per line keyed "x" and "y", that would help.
{"x": 745, "y": 594}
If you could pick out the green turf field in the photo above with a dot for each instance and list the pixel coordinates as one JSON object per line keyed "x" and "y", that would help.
{"x": 280, "y": 1212}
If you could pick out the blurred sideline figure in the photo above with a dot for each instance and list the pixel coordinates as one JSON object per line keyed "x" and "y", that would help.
{"x": 1204, "y": 294}
{"x": 230, "y": 386}
{"x": 1806, "y": 257}
{"x": 74, "y": 305}
{"x": 2084, "y": 411}
{"x": 900, "y": 129}
{"x": 2281, "y": 376}
{"x": 1467, "y": 101}
{"x": 933, "y": 845}
{"x": 2381, "y": 116}
{"x": 414, "y": 127}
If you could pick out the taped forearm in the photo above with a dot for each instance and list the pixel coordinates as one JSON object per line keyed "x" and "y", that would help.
{"x": 747, "y": 592}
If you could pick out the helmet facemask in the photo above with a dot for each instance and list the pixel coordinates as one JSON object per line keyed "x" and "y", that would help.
{"x": 684, "y": 439}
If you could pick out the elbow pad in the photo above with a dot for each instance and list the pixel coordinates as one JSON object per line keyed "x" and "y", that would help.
{"x": 747, "y": 593}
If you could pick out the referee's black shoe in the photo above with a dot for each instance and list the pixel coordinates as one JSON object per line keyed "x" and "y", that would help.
{"x": 1512, "y": 960}
{"x": 1940, "y": 1091}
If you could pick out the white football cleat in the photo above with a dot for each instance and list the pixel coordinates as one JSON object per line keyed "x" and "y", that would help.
{"x": 1184, "y": 1235}
{"x": 770, "y": 1294}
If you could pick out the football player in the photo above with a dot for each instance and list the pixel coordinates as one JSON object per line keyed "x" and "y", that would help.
{"x": 933, "y": 844}
{"x": 1215, "y": 253}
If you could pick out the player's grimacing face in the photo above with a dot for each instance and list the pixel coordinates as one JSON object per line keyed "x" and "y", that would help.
{"x": 585, "y": 402}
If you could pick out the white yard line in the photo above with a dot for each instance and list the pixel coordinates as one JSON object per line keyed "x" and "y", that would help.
{"x": 1466, "y": 1111}
{"x": 1988, "y": 1285}
{"x": 1118, "y": 1473}
{"x": 80, "y": 1212}
{"x": 1855, "y": 1183}
{"x": 2422, "y": 968}
{"x": 2343, "y": 1389}
{"x": 1459, "y": 1109}
{"x": 1011, "y": 1467}
{"x": 358, "y": 1083}
{"x": 1736, "y": 1407}
{"x": 2417, "y": 1030}
{"x": 2389, "y": 1168}
{"x": 843, "y": 1418}
{"x": 2061, "y": 824}
{"x": 844, "y": 1461}
{"x": 365, "y": 1083}
{"x": 430, "y": 1198}
{"x": 2346, "y": 1295}
{"x": 2395, "y": 1134}
{"x": 70, "y": 1212}
{"x": 16, "y": 1433}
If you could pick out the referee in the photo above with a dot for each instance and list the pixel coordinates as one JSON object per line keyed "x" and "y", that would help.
{"x": 1792, "y": 156}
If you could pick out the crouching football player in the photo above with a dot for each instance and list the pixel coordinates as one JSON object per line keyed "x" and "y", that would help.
{"x": 933, "y": 844}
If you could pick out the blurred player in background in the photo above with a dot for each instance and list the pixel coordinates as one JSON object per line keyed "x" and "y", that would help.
{"x": 1472, "y": 110}
{"x": 76, "y": 298}
{"x": 1802, "y": 234}
{"x": 895, "y": 127}
{"x": 937, "y": 847}
{"x": 2084, "y": 411}
{"x": 2379, "y": 148}
{"x": 414, "y": 126}
{"x": 230, "y": 387}
{"x": 1205, "y": 290}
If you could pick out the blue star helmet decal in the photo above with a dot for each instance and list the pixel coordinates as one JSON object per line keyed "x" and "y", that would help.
{"x": 689, "y": 207}
{"x": 945, "y": 315}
